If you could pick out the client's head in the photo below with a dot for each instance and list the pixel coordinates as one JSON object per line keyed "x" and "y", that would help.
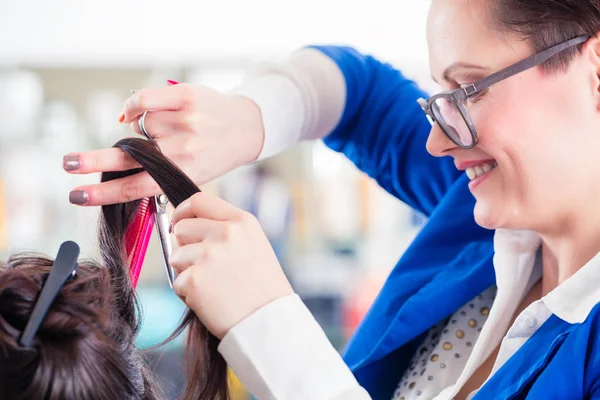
{"x": 84, "y": 347}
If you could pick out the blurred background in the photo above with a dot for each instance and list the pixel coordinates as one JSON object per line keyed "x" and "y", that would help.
{"x": 66, "y": 66}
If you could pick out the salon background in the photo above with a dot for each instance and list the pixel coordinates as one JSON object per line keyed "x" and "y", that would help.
{"x": 67, "y": 65}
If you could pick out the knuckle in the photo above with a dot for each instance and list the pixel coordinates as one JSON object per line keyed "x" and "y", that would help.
{"x": 125, "y": 160}
{"x": 179, "y": 286}
{"x": 174, "y": 261}
{"x": 230, "y": 231}
{"x": 92, "y": 161}
{"x": 189, "y": 122}
{"x": 200, "y": 254}
{"x": 246, "y": 218}
{"x": 131, "y": 192}
{"x": 187, "y": 93}
{"x": 140, "y": 98}
{"x": 227, "y": 231}
{"x": 97, "y": 195}
{"x": 195, "y": 281}
{"x": 188, "y": 148}
{"x": 196, "y": 201}
{"x": 176, "y": 230}
{"x": 179, "y": 231}
{"x": 134, "y": 126}
{"x": 208, "y": 253}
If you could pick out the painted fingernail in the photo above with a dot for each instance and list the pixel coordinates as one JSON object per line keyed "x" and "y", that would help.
{"x": 171, "y": 227}
{"x": 121, "y": 118}
{"x": 172, "y": 82}
{"x": 71, "y": 162}
{"x": 79, "y": 197}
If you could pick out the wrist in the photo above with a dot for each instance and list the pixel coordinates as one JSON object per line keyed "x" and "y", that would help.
{"x": 252, "y": 130}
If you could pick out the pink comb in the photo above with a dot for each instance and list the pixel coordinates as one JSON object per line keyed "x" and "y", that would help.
{"x": 137, "y": 237}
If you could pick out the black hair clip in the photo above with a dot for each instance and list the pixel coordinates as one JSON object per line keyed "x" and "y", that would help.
{"x": 63, "y": 268}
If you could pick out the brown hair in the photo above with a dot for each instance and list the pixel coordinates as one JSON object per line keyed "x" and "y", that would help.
{"x": 545, "y": 23}
{"x": 85, "y": 348}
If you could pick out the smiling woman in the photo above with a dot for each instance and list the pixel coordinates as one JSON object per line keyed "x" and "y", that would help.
{"x": 524, "y": 116}
{"x": 520, "y": 116}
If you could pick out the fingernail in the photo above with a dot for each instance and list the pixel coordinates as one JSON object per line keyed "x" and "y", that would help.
{"x": 79, "y": 197}
{"x": 171, "y": 227}
{"x": 71, "y": 163}
{"x": 172, "y": 82}
{"x": 121, "y": 118}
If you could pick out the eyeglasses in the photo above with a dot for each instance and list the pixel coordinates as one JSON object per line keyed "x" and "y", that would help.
{"x": 448, "y": 108}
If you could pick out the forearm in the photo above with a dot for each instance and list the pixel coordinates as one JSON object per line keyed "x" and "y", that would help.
{"x": 300, "y": 98}
{"x": 281, "y": 352}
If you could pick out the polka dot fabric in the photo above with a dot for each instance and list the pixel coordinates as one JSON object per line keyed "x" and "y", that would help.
{"x": 443, "y": 355}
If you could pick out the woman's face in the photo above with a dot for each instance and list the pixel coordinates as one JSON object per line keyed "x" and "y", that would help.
{"x": 541, "y": 129}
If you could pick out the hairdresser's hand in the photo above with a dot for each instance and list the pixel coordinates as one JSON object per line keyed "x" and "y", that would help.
{"x": 204, "y": 132}
{"x": 227, "y": 268}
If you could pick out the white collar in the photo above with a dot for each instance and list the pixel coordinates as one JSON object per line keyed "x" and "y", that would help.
{"x": 571, "y": 301}
{"x": 515, "y": 254}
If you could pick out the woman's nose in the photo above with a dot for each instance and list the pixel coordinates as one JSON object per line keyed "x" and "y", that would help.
{"x": 438, "y": 144}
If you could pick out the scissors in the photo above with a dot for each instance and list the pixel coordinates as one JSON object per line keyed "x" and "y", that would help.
{"x": 158, "y": 206}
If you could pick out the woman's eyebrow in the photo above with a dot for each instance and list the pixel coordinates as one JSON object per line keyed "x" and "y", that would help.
{"x": 449, "y": 72}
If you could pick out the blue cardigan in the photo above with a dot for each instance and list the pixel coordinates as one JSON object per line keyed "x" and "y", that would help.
{"x": 383, "y": 132}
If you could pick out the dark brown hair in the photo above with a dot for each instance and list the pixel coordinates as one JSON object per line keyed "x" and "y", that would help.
{"x": 545, "y": 23}
{"x": 85, "y": 349}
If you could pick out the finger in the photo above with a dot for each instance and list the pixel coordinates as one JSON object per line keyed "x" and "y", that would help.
{"x": 158, "y": 123}
{"x": 122, "y": 190}
{"x": 185, "y": 256}
{"x": 196, "y": 230}
{"x": 183, "y": 285}
{"x": 112, "y": 159}
{"x": 203, "y": 205}
{"x": 156, "y": 99}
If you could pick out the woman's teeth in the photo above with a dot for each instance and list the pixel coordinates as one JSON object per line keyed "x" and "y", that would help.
{"x": 478, "y": 170}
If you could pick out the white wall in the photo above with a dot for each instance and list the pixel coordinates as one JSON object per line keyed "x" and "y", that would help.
{"x": 89, "y": 49}
{"x": 153, "y": 32}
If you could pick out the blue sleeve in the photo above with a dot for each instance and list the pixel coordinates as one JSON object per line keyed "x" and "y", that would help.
{"x": 383, "y": 131}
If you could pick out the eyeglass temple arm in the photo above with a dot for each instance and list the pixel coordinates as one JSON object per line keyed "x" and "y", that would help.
{"x": 523, "y": 65}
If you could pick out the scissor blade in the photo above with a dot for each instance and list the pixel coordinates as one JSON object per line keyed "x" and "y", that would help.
{"x": 162, "y": 227}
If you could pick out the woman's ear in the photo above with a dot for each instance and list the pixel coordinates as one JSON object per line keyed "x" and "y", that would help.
{"x": 591, "y": 50}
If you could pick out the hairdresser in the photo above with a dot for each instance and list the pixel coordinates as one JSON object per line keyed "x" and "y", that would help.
{"x": 361, "y": 107}
{"x": 462, "y": 316}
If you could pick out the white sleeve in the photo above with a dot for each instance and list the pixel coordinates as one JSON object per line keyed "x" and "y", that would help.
{"x": 300, "y": 98}
{"x": 281, "y": 353}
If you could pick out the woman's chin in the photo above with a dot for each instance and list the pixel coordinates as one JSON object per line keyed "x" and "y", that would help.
{"x": 486, "y": 215}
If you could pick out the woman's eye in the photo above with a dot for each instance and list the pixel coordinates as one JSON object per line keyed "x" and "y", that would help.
{"x": 476, "y": 97}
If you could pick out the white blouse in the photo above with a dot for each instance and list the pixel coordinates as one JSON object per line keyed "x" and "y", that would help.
{"x": 442, "y": 356}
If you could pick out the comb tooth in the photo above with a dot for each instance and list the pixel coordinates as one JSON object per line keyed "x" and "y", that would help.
{"x": 137, "y": 237}
{"x": 133, "y": 230}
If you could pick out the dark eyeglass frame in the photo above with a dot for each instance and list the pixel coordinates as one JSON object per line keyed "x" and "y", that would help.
{"x": 458, "y": 96}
